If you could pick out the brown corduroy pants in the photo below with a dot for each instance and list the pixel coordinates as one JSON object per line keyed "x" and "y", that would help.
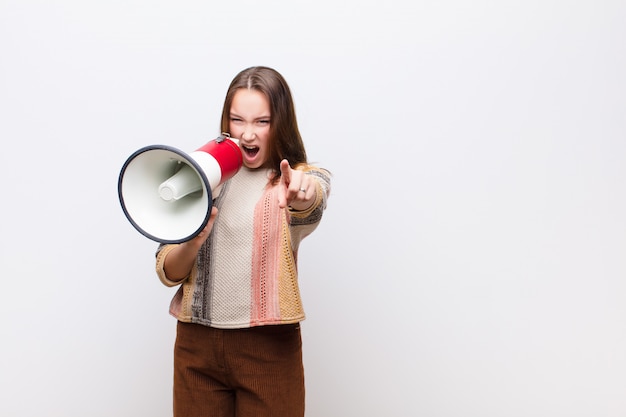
{"x": 254, "y": 372}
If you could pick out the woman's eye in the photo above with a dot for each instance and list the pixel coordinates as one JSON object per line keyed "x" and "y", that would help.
{"x": 264, "y": 122}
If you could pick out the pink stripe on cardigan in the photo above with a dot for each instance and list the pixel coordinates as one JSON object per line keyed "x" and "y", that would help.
{"x": 268, "y": 230}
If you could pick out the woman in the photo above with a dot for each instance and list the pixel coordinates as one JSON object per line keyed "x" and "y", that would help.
{"x": 238, "y": 348}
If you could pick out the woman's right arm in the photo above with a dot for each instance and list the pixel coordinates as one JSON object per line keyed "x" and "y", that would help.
{"x": 180, "y": 259}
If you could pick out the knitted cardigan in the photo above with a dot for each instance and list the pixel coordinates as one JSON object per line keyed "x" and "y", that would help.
{"x": 245, "y": 274}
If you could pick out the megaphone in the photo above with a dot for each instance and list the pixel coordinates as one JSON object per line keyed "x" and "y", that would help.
{"x": 167, "y": 195}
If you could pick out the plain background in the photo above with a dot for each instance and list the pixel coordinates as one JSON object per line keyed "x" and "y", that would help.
{"x": 472, "y": 258}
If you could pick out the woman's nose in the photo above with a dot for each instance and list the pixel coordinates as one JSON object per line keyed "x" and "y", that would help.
{"x": 248, "y": 133}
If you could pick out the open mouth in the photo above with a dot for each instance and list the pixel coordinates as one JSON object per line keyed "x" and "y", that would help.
{"x": 250, "y": 150}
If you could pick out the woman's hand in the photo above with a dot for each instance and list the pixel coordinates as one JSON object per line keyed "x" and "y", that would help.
{"x": 195, "y": 243}
{"x": 296, "y": 189}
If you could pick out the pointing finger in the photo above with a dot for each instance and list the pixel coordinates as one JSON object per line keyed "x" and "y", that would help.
{"x": 285, "y": 171}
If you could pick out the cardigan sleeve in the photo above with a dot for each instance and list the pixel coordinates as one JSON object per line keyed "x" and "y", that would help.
{"x": 160, "y": 265}
{"x": 303, "y": 223}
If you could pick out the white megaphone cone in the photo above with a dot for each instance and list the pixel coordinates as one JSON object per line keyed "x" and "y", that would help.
{"x": 167, "y": 195}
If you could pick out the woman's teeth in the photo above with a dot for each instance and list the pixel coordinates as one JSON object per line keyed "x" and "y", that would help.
{"x": 251, "y": 150}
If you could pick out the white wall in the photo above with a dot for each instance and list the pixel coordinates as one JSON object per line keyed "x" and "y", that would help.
{"x": 472, "y": 259}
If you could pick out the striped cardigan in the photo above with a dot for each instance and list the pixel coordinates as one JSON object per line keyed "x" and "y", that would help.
{"x": 246, "y": 272}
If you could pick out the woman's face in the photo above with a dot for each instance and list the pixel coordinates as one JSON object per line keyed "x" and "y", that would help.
{"x": 250, "y": 123}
